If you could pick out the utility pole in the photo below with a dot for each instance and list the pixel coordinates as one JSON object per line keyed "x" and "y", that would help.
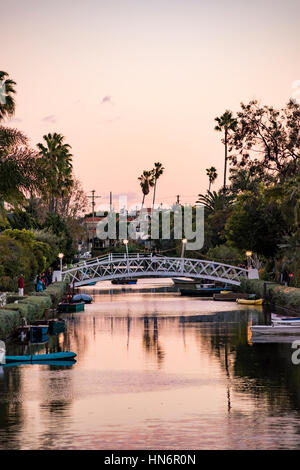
{"x": 93, "y": 197}
{"x": 178, "y": 200}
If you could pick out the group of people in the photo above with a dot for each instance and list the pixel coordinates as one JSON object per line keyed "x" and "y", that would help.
{"x": 42, "y": 281}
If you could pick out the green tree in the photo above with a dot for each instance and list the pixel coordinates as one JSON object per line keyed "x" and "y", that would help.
{"x": 56, "y": 168}
{"x": 266, "y": 141}
{"x": 256, "y": 224}
{"x": 226, "y": 123}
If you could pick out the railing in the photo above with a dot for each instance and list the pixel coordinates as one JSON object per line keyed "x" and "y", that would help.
{"x": 119, "y": 266}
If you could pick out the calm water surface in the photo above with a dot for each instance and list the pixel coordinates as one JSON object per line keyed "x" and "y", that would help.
{"x": 154, "y": 371}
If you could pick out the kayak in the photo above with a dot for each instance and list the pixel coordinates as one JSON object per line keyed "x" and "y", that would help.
{"x": 250, "y": 302}
{"x": 61, "y": 356}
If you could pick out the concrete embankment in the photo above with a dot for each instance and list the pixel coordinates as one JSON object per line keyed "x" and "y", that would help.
{"x": 279, "y": 296}
{"x": 31, "y": 307}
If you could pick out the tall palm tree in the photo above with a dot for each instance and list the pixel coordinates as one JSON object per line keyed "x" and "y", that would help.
{"x": 56, "y": 165}
{"x": 212, "y": 175}
{"x": 146, "y": 182}
{"x": 156, "y": 173}
{"x": 7, "y": 100}
{"x": 226, "y": 123}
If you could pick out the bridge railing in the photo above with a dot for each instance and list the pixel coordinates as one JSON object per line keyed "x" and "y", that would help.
{"x": 117, "y": 265}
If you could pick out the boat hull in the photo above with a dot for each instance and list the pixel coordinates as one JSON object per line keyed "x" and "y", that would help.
{"x": 250, "y": 302}
{"x": 200, "y": 292}
{"x": 275, "y": 330}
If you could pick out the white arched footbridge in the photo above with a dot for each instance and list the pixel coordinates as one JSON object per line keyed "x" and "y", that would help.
{"x": 118, "y": 266}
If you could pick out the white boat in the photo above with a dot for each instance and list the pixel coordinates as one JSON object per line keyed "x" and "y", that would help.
{"x": 279, "y": 320}
{"x": 275, "y": 329}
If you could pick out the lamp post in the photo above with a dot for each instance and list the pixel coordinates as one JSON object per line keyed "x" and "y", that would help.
{"x": 61, "y": 256}
{"x": 126, "y": 246}
{"x": 184, "y": 242}
{"x": 249, "y": 256}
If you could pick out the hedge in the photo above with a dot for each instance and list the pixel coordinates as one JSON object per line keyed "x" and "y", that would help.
{"x": 31, "y": 307}
{"x": 281, "y": 296}
{"x": 9, "y": 321}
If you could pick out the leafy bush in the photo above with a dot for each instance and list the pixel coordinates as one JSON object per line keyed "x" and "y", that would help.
{"x": 41, "y": 303}
{"x": 9, "y": 321}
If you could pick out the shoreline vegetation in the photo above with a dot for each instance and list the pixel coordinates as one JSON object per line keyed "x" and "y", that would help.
{"x": 31, "y": 307}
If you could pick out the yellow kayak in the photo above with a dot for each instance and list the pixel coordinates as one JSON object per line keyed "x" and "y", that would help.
{"x": 250, "y": 302}
{"x": 225, "y": 292}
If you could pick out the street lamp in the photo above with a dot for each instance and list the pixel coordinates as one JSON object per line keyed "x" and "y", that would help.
{"x": 184, "y": 242}
{"x": 249, "y": 256}
{"x": 126, "y": 246}
{"x": 61, "y": 256}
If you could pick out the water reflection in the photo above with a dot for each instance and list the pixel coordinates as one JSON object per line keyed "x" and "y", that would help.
{"x": 153, "y": 365}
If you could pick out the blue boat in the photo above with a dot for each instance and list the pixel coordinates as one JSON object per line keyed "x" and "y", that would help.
{"x": 61, "y": 356}
{"x": 39, "y": 334}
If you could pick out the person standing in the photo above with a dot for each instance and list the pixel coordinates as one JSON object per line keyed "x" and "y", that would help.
{"x": 21, "y": 286}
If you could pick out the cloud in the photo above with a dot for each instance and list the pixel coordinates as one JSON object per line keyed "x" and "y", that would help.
{"x": 114, "y": 119}
{"x": 107, "y": 99}
{"x": 51, "y": 118}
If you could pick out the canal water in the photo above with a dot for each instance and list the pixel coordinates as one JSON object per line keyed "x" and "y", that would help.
{"x": 154, "y": 371}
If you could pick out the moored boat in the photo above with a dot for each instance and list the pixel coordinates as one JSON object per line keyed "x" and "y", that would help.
{"x": 124, "y": 281}
{"x": 71, "y": 307}
{"x": 202, "y": 290}
{"x": 275, "y": 330}
{"x": 61, "y": 356}
{"x": 250, "y": 302}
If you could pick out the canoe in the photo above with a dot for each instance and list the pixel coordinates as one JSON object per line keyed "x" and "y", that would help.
{"x": 275, "y": 330}
{"x": 61, "y": 356}
{"x": 250, "y": 302}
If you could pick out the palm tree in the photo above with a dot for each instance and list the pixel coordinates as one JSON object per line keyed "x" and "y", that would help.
{"x": 56, "y": 165}
{"x": 146, "y": 182}
{"x": 7, "y": 101}
{"x": 212, "y": 175}
{"x": 215, "y": 201}
{"x": 226, "y": 123}
{"x": 156, "y": 173}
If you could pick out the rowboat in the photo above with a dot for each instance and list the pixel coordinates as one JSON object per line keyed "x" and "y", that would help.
{"x": 275, "y": 329}
{"x": 61, "y": 356}
{"x": 278, "y": 320}
{"x": 201, "y": 290}
{"x": 250, "y": 302}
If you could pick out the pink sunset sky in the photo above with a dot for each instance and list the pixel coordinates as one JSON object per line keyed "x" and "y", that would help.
{"x": 133, "y": 82}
